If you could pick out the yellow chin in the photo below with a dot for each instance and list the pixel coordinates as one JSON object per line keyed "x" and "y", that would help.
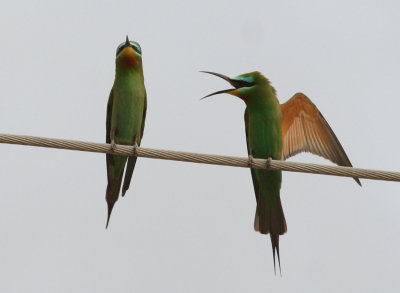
{"x": 235, "y": 93}
{"x": 238, "y": 93}
{"x": 128, "y": 56}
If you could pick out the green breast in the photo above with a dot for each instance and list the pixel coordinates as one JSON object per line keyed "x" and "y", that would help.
{"x": 127, "y": 113}
{"x": 265, "y": 133}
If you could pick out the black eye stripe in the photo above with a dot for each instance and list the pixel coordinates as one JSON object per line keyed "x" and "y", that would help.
{"x": 121, "y": 47}
{"x": 241, "y": 83}
{"x": 136, "y": 49}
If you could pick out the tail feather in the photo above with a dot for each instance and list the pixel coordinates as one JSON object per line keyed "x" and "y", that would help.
{"x": 112, "y": 193}
{"x": 131, "y": 164}
{"x": 275, "y": 250}
{"x": 272, "y": 221}
{"x": 110, "y": 206}
{"x": 128, "y": 174}
{"x": 257, "y": 221}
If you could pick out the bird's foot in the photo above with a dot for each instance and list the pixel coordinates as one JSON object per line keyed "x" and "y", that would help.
{"x": 251, "y": 161}
{"x": 135, "y": 145}
{"x": 269, "y": 159}
{"x": 113, "y": 145}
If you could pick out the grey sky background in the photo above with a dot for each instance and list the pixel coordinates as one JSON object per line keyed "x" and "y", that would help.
{"x": 184, "y": 227}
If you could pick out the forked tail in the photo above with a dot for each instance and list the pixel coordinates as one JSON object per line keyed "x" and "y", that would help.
{"x": 275, "y": 249}
{"x": 272, "y": 221}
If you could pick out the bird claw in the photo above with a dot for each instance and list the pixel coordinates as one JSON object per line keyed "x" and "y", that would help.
{"x": 251, "y": 161}
{"x": 269, "y": 159}
{"x": 113, "y": 145}
{"x": 135, "y": 145}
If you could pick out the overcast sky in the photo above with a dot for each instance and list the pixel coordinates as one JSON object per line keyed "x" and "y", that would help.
{"x": 185, "y": 227}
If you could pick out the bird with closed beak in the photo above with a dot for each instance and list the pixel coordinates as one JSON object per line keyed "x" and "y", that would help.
{"x": 126, "y": 114}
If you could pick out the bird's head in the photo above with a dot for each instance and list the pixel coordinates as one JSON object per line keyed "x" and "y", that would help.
{"x": 245, "y": 86}
{"x": 129, "y": 54}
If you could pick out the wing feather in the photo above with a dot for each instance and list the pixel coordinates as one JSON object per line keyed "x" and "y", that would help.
{"x": 109, "y": 158}
{"x": 304, "y": 129}
{"x": 132, "y": 160}
{"x": 143, "y": 117}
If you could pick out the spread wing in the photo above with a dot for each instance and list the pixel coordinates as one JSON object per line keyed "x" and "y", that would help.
{"x": 304, "y": 129}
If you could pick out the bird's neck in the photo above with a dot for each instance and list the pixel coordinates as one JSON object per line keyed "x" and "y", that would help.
{"x": 261, "y": 97}
{"x": 124, "y": 73}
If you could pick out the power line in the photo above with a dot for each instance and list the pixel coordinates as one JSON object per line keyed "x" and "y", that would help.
{"x": 199, "y": 158}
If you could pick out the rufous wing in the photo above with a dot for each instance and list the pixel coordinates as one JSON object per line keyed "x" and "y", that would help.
{"x": 304, "y": 129}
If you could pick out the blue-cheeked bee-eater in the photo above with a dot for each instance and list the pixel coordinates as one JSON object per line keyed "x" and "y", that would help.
{"x": 126, "y": 114}
{"x": 279, "y": 132}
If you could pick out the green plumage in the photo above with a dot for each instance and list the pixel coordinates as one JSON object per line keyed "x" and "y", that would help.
{"x": 263, "y": 119}
{"x": 279, "y": 132}
{"x": 126, "y": 113}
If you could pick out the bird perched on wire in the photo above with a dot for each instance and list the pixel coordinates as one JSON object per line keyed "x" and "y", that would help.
{"x": 279, "y": 132}
{"x": 126, "y": 114}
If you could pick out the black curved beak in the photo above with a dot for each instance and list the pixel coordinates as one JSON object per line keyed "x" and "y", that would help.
{"x": 127, "y": 41}
{"x": 234, "y": 82}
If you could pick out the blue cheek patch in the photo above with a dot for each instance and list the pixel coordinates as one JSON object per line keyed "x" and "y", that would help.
{"x": 248, "y": 79}
{"x": 137, "y": 46}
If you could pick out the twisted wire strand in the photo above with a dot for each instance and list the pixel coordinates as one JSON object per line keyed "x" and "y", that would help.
{"x": 199, "y": 158}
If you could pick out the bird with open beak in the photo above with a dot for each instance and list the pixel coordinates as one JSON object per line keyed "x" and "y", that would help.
{"x": 279, "y": 132}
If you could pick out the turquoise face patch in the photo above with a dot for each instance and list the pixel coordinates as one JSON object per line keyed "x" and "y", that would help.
{"x": 139, "y": 49}
{"x": 248, "y": 79}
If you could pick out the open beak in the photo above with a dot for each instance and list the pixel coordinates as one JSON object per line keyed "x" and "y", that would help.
{"x": 234, "y": 82}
